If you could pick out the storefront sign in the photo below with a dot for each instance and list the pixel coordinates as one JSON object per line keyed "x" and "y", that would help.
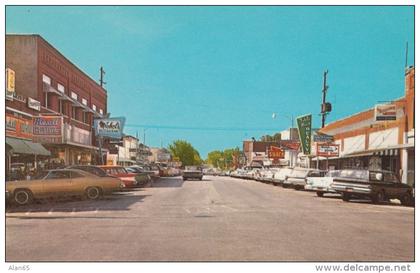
{"x": 109, "y": 127}
{"x": 48, "y": 129}
{"x": 323, "y": 138}
{"x": 327, "y": 149}
{"x": 18, "y": 127}
{"x": 304, "y": 124}
{"x": 275, "y": 153}
{"x": 10, "y": 83}
{"x": 34, "y": 104}
{"x": 385, "y": 112}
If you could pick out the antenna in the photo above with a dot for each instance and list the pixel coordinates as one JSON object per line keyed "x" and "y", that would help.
{"x": 101, "y": 79}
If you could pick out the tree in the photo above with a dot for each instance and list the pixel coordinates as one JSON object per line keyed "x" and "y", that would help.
{"x": 222, "y": 159}
{"x": 276, "y": 137}
{"x": 186, "y": 153}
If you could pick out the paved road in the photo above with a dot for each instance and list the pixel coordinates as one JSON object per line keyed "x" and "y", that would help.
{"x": 218, "y": 219}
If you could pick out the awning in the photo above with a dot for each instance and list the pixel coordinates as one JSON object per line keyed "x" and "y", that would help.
{"x": 20, "y": 146}
{"x": 65, "y": 97}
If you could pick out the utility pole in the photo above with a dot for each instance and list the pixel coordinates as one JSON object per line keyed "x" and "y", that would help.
{"x": 101, "y": 79}
{"x": 325, "y": 106}
{"x": 406, "y": 55}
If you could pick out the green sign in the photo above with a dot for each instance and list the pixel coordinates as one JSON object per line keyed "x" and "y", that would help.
{"x": 304, "y": 124}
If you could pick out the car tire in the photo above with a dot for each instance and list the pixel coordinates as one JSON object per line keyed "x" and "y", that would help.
{"x": 406, "y": 199}
{"x": 345, "y": 197}
{"x": 93, "y": 193}
{"x": 22, "y": 197}
{"x": 319, "y": 194}
{"x": 378, "y": 197}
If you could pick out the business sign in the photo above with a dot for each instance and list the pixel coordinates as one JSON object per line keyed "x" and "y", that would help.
{"x": 385, "y": 112}
{"x": 323, "y": 138}
{"x": 18, "y": 127}
{"x": 275, "y": 152}
{"x": 34, "y": 104}
{"x": 327, "y": 149}
{"x": 48, "y": 129}
{"x": 304, "y": 124}
{"x": 109, "y": 127}
{"x": 10, "y": 83}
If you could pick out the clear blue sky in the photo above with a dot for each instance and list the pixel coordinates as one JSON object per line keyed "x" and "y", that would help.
{"x": 214, "y": 75}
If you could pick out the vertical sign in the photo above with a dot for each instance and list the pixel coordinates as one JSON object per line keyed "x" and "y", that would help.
{"x": 304, "y": 124}
{"x": 10, "y": 83}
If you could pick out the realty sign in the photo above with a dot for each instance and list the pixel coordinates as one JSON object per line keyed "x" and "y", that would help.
{"x": 304, "y": 124}
{"x": 327, "y": 149}
{"x": 109, "y": 127}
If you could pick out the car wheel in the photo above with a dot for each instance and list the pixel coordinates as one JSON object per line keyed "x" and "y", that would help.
{"x": 378, "y": 197}
{"x": 345, "y": 197}
{"x": 406, "y": 199}
{"x": 93, "y": 193}
{"x": 22, "y": 197}
{"x": 319, "y": 193}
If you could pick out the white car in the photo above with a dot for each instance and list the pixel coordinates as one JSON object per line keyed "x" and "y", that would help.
{"x": 280, "y": 175}
{"x": 322, "y": 184}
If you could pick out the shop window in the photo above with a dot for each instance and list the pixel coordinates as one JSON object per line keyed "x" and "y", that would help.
{"x": 61, "y": 88}
{"x": 46, "y": 79}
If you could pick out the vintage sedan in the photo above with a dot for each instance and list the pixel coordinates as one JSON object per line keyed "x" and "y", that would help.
{"x": 129, "y": 179}
{"x": 192, "y": 172}
{"x": 280, "y": 175}
{"x": 143, "y": 178}
{"x": 59, "y": 183}
{"x": 299, "y": 176}
{"x": 322, "y": 185}
{"x": 376, "y": 185}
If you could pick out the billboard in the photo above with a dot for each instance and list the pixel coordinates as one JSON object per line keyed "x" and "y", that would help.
{"x": 385, "y": 112}
{"x": 327, "y": 149}
{"x": 48, "y": 129}
{"x": 323, "y": 138}
{"x": 18, "y": 127}
{"x": 304, "y": 124}
{"x": 109, "y": 127}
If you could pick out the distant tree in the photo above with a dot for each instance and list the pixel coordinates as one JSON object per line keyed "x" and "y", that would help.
{"x": 222, "y": 159}
{"x": 267, "y": 138}
{"x": 186, "y": 153}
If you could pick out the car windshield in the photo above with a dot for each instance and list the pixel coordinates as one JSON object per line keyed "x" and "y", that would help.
{"x": 355, "y": 174}
{"x": 334, "y": 173}
{"x": 192, "y": 168}
{"x": 299, "y": 173}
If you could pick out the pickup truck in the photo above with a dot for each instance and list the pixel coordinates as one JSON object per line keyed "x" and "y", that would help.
{"x": 376, "y": 185}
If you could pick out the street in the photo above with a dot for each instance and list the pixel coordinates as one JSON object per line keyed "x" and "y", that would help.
{"x": 217, "y": 219}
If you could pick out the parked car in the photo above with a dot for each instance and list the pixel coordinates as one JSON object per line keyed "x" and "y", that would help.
{"x": 376, "y": 185}
{"x": 297, "y": 178}
{"x": 129, "y": 179}
{"x": 143, "y": 179}
{"x": 152, "y": 171}
{"x": 280, "y": 175}
{"x": 192, "y": 172}
{"x": 322, "y": 185}
{"x": 62, "y": 182}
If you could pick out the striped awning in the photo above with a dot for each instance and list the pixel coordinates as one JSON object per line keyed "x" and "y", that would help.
{"x": 387, "y": 152}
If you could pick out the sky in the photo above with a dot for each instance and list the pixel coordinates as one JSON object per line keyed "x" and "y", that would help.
{"x": 215, "y": 75}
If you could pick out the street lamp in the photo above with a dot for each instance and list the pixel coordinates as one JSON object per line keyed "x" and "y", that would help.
{"x": 291, "y": 118}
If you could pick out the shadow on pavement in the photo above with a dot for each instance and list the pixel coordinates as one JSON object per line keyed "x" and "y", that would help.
{"x": 115, "y": 202}
{"x": 168, "y": 182}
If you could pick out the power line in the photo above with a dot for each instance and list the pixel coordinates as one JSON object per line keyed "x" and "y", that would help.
{"x": 198, "y": 128}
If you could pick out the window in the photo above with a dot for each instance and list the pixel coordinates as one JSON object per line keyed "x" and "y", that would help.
{"x": 101, "y": 111}
{"x": 75, "y": 174}
{"x": 73, "y": 112}
{"x": 73, "y": 95}
{"x": 61, "y": 88}
{"x": 46, "y": 79}
{"x": 58, "y": 175}
{"x": 94, "y": 107}
{"x": 61, "y": 106}
{"x": 85, "y": 117}
{"x": 84, "y": 101}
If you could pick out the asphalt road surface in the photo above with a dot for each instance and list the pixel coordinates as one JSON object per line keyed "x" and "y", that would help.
{"x": 217, "y": 219}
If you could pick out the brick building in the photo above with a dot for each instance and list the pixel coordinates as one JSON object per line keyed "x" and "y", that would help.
{"x": 369, "y": 143}
{"x": 55, "y": 98}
